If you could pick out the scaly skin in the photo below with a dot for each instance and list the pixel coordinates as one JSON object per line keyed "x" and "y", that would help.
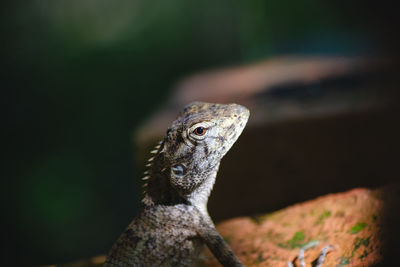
{"x": 174, "y": 224}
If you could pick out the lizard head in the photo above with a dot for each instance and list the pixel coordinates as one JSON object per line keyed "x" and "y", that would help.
{"x": 198, "y": 139}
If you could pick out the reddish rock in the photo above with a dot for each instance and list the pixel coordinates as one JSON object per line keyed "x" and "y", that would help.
{"x": 351, "y": 222}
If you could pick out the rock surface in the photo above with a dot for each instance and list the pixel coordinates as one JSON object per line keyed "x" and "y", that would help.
{"x": 355, "y": 223}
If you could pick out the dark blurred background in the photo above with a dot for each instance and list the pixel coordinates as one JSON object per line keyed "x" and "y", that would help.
{"x": 78, "y": 77}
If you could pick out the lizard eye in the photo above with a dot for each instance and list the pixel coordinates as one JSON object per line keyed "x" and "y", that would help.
{"x": 200, "y": 131}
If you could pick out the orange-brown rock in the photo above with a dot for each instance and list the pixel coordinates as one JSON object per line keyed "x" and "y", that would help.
{"x": 354, "y": 223}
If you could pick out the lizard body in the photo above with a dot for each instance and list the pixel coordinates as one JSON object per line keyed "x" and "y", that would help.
{"x": 174, "y": 224}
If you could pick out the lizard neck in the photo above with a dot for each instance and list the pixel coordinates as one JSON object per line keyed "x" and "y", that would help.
{"x": 199, "y": 197}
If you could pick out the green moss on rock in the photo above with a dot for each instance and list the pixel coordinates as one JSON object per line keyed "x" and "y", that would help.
{"x": 357, "y": 227}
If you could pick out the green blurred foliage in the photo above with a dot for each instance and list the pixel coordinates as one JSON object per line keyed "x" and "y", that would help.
{"x": 80, "y": 75}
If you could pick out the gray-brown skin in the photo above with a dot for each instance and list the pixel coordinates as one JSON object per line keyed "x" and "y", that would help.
{"x": 174, "y": 224}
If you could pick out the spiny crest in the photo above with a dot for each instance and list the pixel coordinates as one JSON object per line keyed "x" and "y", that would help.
{"x": 148, "y": 172}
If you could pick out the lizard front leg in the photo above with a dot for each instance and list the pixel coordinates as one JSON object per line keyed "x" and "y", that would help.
{"x": 219, "y": 248}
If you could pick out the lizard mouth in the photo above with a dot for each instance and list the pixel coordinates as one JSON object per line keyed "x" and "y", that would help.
{"x": 242, "y": 114}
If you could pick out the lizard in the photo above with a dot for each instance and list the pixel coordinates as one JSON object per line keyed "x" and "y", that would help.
{"x": 174, "y": 224}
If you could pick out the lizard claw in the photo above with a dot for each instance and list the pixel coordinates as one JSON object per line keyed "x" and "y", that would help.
{"x": 318, "y": 262}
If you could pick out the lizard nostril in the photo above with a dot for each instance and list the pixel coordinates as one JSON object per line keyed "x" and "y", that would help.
{"x": 235, "y": 115}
